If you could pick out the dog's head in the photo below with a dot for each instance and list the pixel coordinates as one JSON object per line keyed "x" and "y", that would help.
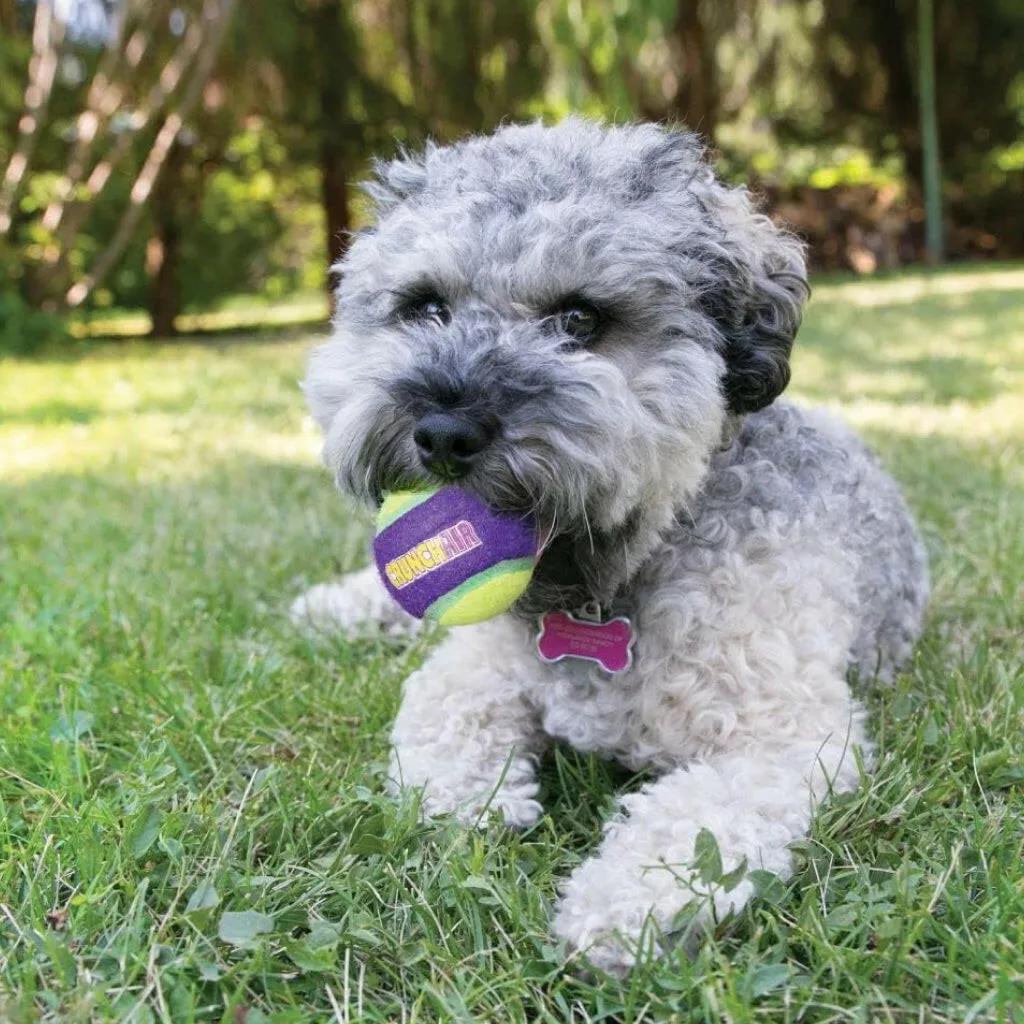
{"x": 561, "y": 319}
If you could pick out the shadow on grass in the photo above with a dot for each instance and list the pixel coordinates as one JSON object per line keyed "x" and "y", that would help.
{"x": 53, "y": 413}
{"x": 245, "y": 532}
{"x": 222, "y": 338}
{"x": 57, "y": 413}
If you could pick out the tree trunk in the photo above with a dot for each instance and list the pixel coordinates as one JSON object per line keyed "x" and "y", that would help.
{"x": 8, "y": 17}
{"x": 165, "y": 298}
{"x": 931, "y": 171}
{"x": 335, "y": 55}
{"x": 890, "y": 31}
{"x": 333, "y": 169}
{"x": 164, "y": 251}
{"x": 696, "y": 100}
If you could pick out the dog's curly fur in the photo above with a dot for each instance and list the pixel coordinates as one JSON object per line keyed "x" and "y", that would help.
{"x": 760, "y": 550}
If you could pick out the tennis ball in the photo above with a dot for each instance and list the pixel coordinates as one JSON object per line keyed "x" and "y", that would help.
{"x": 445, "y": 556}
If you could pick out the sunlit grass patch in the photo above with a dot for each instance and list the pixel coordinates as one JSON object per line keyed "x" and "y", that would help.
{"x": 937, "y": 342}
{"x": 192, "y": 824}
{"x": 164, "y": 411}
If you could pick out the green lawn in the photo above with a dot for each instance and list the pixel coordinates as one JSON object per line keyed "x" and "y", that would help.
{"x": 191, "y": 819}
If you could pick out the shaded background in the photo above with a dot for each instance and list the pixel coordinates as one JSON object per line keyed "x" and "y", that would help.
{"x": 176, "y": 156}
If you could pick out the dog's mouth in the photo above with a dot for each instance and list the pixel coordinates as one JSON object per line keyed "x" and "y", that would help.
{"x": 577, "y": 561}
{"x": 500, "y": 498}
{"x": 547, "y": 521}
{"x": 388, "y": 463}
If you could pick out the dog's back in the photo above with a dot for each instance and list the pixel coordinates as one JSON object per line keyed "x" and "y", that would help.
{"x": 796, "y": 465}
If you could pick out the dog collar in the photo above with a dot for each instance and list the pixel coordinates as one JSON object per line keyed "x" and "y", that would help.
{"x": 587, "y": 636}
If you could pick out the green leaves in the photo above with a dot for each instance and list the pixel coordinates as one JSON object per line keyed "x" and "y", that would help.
{"x": 204, "y": 897}
{"x": 707, "y": 859}
{"x": 767, "y": 978}
{"x": 69, "y": 729}
{"x": 145, "y": 831}
{"x": 316, "y": 952}
{"x": 242, "y": 928}
{"x": 707, "y": 862}
{"x": 767, "y": 886}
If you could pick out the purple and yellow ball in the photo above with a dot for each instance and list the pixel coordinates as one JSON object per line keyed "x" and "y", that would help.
{"x": 445, "y": 556}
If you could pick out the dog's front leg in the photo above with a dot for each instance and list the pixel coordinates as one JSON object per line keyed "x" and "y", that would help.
{"x": 626, "y": 901}
{"x": 466, "y": 733}
{"x": 357, "y": 603}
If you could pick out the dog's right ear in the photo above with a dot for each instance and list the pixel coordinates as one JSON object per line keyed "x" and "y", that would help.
{"x": 754, "y": 289}
{"x": 751, "y": 275}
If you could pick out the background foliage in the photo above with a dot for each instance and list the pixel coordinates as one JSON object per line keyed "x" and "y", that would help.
{"x": 283, "y": 103}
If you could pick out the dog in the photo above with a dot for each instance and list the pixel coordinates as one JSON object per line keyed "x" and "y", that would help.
{"x": 582, "y": 322}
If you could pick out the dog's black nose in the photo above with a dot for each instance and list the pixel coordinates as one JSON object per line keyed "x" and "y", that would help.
{"x": 449, "y": 442}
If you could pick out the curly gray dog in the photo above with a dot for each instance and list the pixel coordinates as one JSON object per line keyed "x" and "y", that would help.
{"x": 582, "y": 322}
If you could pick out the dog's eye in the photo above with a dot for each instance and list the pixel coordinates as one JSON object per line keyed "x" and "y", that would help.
{"x": 581, "y": 321}
{"x": 426, "y": 309}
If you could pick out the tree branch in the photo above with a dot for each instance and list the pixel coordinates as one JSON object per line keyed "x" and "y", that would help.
{"x": 218, "y": 13}
{"x": 159, "y": 94}
{"x": 104, "y": 97}
{"x": 47, "y": 36}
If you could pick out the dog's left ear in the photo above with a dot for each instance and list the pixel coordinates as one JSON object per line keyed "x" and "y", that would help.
{"x": 756, "y": 298}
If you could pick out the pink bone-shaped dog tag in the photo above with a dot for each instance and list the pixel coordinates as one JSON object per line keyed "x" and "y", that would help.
{"x": 609, "y": 644}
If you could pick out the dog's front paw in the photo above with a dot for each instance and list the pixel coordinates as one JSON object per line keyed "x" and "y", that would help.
{"x": 469, "y": 791}
{"x": 516, "y": 809}
{"x": 612, "y": 928}
{"x": 641, "y": 896}
{"x": 601, "y": 943}
{"x": 357, "y": 604}
{"x": 515, "y": 803}
{"x": 612, "y": 919}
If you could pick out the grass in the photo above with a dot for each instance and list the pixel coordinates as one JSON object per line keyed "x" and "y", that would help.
{"x": 253, "y": 313}
{"x": 191, "y": 819}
